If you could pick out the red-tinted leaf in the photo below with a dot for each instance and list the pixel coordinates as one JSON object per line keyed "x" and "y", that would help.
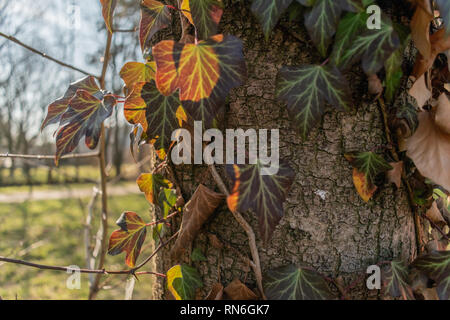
{"x": 83, "y": 117}
{"x": 57, "y": 108}
{"x": 264, "y": 194}
{"x": 154, "y": 17}
{"x": 133, "y": 72}
{"x": 128, "y": 238}
{"x": 108, "y": 7}
{"x": 204, "y": 72}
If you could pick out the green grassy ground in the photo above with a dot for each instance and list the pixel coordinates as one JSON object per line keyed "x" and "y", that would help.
{"x": 51, "y": 232}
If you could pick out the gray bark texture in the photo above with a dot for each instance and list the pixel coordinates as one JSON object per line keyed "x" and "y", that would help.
{"x": 326, "y": 224}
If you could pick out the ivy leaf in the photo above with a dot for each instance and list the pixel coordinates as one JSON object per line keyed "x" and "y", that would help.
{"x": 295, "y": 283}
{"x": 151, "y": 185}
{"x": 408, "y": 112}
{"x": 397, "y": 281}
{"x": 197, "y": 255}
{"x": 444, "y": 9}
{"x": 269, "y": 12}
{"x": 436, "y": 265}
{"x": 306, "y": 88}
{"x": 158, "y": 114}
{"x": 373, "y": 47}
{"x": 84, "y": 117}
{"x": 183, "y": 281}
{"x": 264, "y": 194}
{"x": 394, "y": 73}
{"x": 134, "y": 72}
{"x": 57, "y": 108}
{"x": 204, "y": 72}
{"x": 205, "y": 15}
{"x": 321, "y": 21}
{"x": 366, "y": 167}
{"x": 108, "y": 7}
{"x": 154, "y": 17}
{"x": 349, "y": 27}
{"x": 128, "y": 238}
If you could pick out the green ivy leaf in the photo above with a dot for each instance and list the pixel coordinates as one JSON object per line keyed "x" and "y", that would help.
{"x": 152, "y": 185}
{"x": 206, "y": 15}
{"x": 373, "y": 47}
{"x": 408, "y": 112}
{"x": 269, "y": 12}
{"x": 182, "y": 281}
{"x": 321, "y": 21}
{"x": 396, "y": 280}
{"x": 295, "y": 283}
{"x": 371, "y": 164}
{"x": 154, "y": 17}
{"x": 436, "y": 265}
{"x": 349, "y": 27}
{"x": 264, "y": 194}
{"x": 306, "y": 88}
{"x": 156, "y": 113}
{"x": 197, "y": 255}
{"x": 83, "y": 118}
{"x": 394, "y": 73}
{"x": 444, "y": 9}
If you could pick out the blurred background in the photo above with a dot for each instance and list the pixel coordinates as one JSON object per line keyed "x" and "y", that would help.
{"x": 43, "y": 209}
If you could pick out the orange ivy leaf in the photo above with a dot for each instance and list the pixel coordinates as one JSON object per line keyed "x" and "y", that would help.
{"x": 128, "y": 238}
{"x": 83, "y": 117}
{"x": 151, "y": 185}
{"x": 57, "y": 108}
{"x": 133, "y": 72}
{"x": 108, "y": 7}
{"x": 154, "y": 17}
{"x": 204, "y": 72}
{"x": 366, "y": 189}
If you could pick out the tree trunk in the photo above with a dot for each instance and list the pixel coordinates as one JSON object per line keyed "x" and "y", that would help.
{"x": 326, "y": 224}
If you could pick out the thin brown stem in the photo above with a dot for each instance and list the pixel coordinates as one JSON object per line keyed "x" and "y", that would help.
{"x": 46, "y": 157}
{"x": 256, "y": 266}
{"x": 46, "y": 56}
{"x": 103, "y": 179}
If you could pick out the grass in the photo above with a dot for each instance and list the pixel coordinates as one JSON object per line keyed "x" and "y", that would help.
{"x": 51, "y": 232}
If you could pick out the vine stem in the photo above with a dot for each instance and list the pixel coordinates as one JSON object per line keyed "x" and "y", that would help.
{"x": 255, "y": 264}
{"x": 395, "y": 156}
{"x": 103, "y": 180}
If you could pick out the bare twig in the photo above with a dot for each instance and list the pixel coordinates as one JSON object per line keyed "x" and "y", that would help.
{"x": 90, "y": 260}
{"x": 256, "y": 265}
{"x": 46, "y": 157}
{"x": 44, "y": 55}
{"x": 103, "y": 178}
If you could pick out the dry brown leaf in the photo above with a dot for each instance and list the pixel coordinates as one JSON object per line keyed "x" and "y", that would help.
{"x": 236, "y": 290}
{"x": 420, "y": 91}
{"x": 195, "y": 213}
{"x": 440, "y": 43}
{"x": 420, "y": 27}
{"x": 395, "y": 175}
{"x": 435, "y": 215}
{"x": 429, "y": 147}
{"x": 216, "y": 292}
{"x": 375, "y": 86}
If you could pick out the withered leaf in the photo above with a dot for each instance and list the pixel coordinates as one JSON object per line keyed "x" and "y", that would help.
{"x": 420, "y": 91}
{"x": 420, "y": 27}
{"x": 216, "y": 292}
{"x": 236, "y": 290}
{"x": 395, "y": 174}
{"x": 195, "y": 214}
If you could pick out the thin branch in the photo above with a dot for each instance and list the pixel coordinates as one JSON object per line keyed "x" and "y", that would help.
{"x": 44, "y": 55}
{"x": 46, "y": 157}
{"x": 256, "y": 265}
{"x": 103, "y": 178}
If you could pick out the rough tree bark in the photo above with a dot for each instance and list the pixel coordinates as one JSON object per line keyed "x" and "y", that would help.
{"x": 326, "y": 224}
